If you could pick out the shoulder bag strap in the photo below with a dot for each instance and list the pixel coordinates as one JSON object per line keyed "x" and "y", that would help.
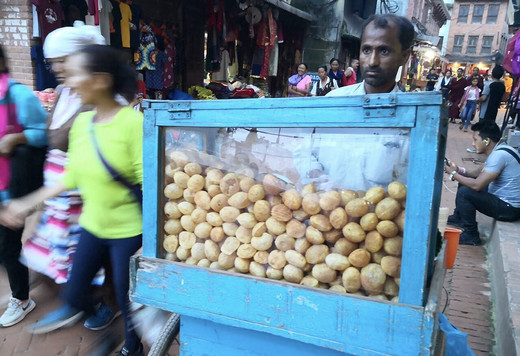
{"x": 510, "y": 151}
{"x": 116, "y": 176}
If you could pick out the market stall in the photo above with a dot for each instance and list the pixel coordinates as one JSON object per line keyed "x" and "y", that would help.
{"x": 278, "y": 226}
{"x": 178, "y": 44}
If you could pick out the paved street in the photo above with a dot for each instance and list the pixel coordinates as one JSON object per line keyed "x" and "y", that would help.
{"x": 468, "y": 304}
{"x": 467, "y": 286}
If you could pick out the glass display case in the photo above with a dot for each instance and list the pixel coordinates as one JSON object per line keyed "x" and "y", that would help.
{"x": 262, "y": 215}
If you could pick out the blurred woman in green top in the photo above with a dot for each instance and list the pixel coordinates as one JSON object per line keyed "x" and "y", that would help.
{"x": 111, "y": 219}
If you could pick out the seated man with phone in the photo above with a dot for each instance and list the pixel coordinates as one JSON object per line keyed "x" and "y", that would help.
{"x": 494, "y": 190}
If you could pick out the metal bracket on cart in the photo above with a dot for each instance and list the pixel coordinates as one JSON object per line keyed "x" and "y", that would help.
{"x": 379, "y": 106}
{"x": 179, "y": 110}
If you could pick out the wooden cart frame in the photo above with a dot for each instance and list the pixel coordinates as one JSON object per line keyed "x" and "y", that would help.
{"x": 230, "y": 314}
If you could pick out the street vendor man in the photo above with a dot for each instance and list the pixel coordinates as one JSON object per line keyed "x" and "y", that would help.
{"x": 386, "y": 42}
{"x": 493, "y": 190}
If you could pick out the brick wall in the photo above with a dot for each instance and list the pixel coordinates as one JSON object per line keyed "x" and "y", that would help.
{"x": 16, "y": 38}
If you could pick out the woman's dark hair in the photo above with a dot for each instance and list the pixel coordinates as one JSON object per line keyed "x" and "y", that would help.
{"x": 324, "y": 68}
{"x": 106, "y": 59}
{"x": 303, "y": 65}
{"x": 487, "y": 129}
{"x": 406, "y": 31}
{"x": 333, "y": 60}
{"x": 3, "y": 60}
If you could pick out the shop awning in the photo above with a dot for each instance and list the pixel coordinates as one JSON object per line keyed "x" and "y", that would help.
{"x": 433, "y": 40}
{"x": 293, "y": 10}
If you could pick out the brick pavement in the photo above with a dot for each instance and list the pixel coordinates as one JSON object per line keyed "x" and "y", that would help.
{"x": 469, "y": 305}
{"x": 74, "y": 341}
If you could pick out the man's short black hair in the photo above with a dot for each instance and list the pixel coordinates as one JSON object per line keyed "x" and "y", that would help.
{"x": 406, "y": 31}
{"x": 497, "y": 72}
{"x": 487, "y": 129}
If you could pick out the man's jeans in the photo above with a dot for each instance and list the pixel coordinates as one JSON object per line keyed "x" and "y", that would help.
{"x": 468, "y": 201}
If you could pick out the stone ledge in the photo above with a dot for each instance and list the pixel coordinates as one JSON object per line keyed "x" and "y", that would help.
{"x": 504, "y": 257}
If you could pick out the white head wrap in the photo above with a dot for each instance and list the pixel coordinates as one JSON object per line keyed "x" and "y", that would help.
{"x": 67, "y": 40}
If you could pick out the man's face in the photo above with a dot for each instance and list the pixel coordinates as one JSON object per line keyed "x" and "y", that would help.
{"x": 381, "y": 56}
{"x": 459, "y": 73}
{"x": 448, "y": 74}
{"x": 354, "y": 64}
{"x": 479, "y": 144}
{"x": 476, "y": 71}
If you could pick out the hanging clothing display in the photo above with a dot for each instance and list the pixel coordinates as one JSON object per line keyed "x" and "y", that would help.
{"x": 222, "y": 75}
{"x": 105, "y": 9}
{"x": 168, "y": 77}
{"x": 74, "y": 10}
{"x": 44, "y": 77}
{"x": 265, "y": 42}
{"x": 273, "y": 61}
{"x": 134, "y": 24}
{"x": 214, "y": 28}
{"x": 144, "y": 56}
{"x": 154, "y": 78}
{"x": 36, "y": 28}
{"x": 50, "y": 16}
{"x": 92, "y": 8}
{"x": 268, "y": 42}
{"x": 101, "y": 18}
{"x": 115, "y": 29}
{"x": 126, "y": 17}
{"x": 233, "y": 67}
{"x": 257, "y": 63}
{"x": 212, "y": 56}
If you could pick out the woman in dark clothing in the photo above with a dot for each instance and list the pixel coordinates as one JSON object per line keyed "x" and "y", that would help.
{"x": 336, "y": 73}
{"x": 456, "y": 88}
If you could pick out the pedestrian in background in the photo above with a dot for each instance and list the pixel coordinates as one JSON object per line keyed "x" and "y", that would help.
{"x": 335, "y": 73}
{"x": 442, "y": 85}
{"x": 492, "y": 95}
{"x": 325, "y": 84}
{"x": 350, "y": 73}
{"x": 300, "y": 83}
{"x": 22, "y": 152}
{"x": 105, "y": 163}
{"x": 468, "y": 104}
{"x": 508, "y": 83}
{"x": 456, "y": 88}
{"x": 475, "y": 73}
{"x": 431, "y": 78}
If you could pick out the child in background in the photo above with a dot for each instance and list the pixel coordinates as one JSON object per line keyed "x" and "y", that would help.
{"x": 468, "y": 104}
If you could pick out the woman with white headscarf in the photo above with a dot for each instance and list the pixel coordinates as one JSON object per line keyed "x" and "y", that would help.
{"x": 51, "y": 248}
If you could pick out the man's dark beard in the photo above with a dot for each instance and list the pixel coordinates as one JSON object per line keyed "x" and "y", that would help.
{"x": 374, "y": 81}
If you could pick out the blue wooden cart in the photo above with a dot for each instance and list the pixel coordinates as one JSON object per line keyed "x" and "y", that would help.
{"x": 226, "y": 313}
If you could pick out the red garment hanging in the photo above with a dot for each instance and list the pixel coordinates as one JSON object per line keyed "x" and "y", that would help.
{"x": 96, "y": 12}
